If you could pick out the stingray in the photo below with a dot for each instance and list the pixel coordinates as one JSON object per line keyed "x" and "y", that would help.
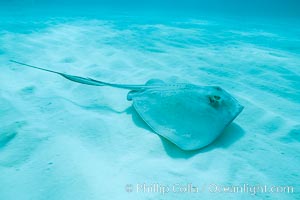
{"x": 190, "y": 116}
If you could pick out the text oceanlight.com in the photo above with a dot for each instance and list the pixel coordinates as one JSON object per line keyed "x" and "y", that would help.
{"x": 211, "y": 188}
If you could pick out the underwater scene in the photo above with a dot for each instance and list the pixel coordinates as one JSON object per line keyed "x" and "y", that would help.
{"x": 116, "y": 100}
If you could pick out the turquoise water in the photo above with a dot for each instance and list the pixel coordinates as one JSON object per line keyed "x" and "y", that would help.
{"x": 62, "y": 140}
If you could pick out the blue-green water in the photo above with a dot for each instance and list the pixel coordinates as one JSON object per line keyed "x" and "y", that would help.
{"x": 62, "y": 140}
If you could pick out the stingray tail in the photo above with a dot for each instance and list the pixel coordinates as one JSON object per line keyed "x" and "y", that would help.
{"x": 82, "y": 80}
{"x": 77, "y": 79}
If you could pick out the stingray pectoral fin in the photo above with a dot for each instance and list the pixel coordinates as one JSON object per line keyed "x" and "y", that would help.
{"x": 131, "y": 94}
{"x": 185, "y": 115}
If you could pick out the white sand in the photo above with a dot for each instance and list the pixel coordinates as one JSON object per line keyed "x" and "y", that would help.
{"x": 62, "y": 140}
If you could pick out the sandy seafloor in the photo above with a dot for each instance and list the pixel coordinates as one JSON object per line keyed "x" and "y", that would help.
{"x": 62, "y": 140}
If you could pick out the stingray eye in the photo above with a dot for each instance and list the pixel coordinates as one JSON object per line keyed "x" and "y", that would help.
{"x": 214, "y": 100}
{"x": 217, "y": 98}
{"x": 211, "y": 99}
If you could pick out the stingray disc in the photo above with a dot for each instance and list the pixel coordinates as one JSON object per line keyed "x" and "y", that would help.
{"x": 190, "y": 116}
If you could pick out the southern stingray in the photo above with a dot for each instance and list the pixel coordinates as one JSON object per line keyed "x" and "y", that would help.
{"x": 190, "y": 116}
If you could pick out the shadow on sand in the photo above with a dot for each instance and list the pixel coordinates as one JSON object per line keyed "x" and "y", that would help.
{"x": 230, "y": 135}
